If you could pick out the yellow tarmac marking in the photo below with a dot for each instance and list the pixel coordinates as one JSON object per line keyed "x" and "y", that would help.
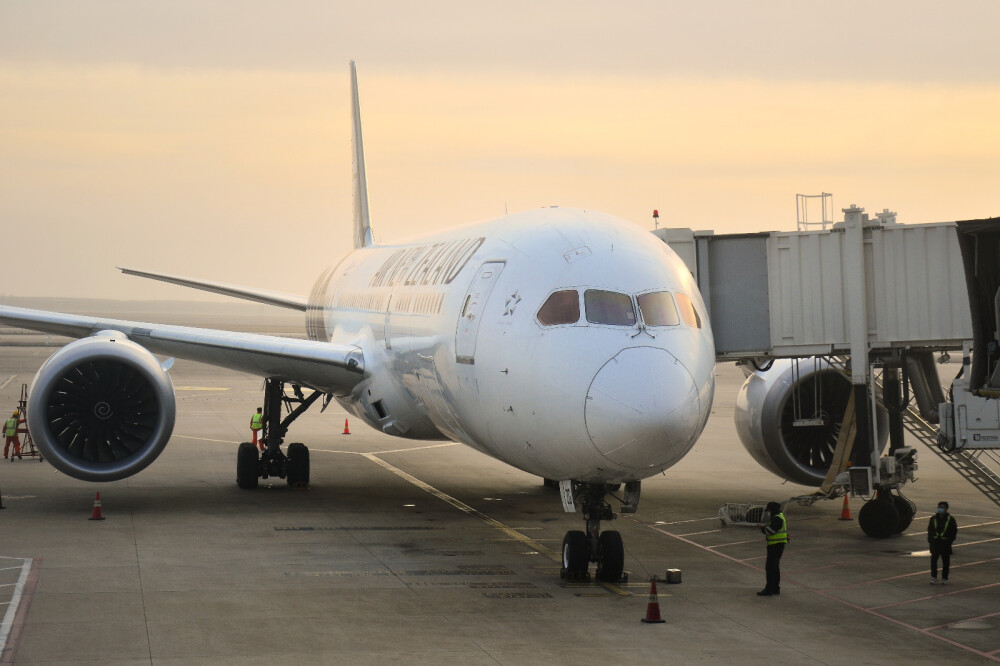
{"x": 417, "y": 448}
{"x": 205, "y": 439}
{"x": 465, "y": 508}
{"x": 458, "y": 504}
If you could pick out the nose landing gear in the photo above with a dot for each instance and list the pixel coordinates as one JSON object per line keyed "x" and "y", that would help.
{"x": 604, "y": 548}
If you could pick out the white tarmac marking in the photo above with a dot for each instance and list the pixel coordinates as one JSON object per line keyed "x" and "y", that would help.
{"x": 380, "y": 453}
{"x": 4, "y": 385}
{"x": 826, "y": 594}
{"x": 199, "y": 388}
{"x": 961, "y": 527}
{"x": 735, "y": 543}
{"x": 15, "y": 600}
{"x": 681, "y": 522}
{"x": 697, "y": 533}
{"x": 926, "y": 553}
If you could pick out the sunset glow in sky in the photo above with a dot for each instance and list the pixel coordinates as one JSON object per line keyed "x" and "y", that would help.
{"x": 212, "y": 139}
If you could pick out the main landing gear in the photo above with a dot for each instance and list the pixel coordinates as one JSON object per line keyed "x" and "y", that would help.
{"x": 605, "y": 548}
{"x": 886, "y": 514}
{"x": 293, "y": 466}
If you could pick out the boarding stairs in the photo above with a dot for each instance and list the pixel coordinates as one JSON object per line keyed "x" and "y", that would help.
{"x": 980, "y": 467}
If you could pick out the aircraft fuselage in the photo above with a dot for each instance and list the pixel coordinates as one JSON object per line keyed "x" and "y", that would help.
{"x": 611, "y": 381}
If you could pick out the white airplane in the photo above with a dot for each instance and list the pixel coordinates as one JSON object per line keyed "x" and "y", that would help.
{"x": 570, "y": 344}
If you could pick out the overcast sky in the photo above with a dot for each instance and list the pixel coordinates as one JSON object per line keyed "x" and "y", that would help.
{"x": 212, "y": 138}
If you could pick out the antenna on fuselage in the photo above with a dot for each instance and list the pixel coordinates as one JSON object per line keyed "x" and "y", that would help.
{"x": 362, "y": 219}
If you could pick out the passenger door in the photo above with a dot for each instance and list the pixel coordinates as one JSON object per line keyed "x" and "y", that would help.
{"x": 472, "y": 311}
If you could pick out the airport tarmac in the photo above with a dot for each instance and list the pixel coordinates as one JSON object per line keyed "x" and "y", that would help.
{"x": 428, "y": 552}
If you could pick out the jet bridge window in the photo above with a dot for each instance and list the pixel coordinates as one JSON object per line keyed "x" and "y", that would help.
{"x": 688, "y": 313}
{"x": 562, "y": 307}
{"x": 609, "y": 307}
{"x": 658, "y": 309}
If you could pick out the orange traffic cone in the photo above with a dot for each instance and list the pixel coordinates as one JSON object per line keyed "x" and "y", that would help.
{"x": 96, "y": 515}
{"x": 653, "y": 607}
{"x": 347, "y": 431}
{"x": 845, "y": 513}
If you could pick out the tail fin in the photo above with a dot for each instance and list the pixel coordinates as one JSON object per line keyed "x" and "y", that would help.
{"x": 362, "y": 220}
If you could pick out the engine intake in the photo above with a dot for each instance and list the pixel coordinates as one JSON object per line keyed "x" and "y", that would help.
{"x": 765, "y": 418}
{"x": 101, "y": 408}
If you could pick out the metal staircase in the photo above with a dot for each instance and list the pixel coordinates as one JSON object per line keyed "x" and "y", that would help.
{"x": 980, "y": 467}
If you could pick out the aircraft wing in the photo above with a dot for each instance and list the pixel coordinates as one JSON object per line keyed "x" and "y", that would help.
{"x": 275, "y": 298}
{"x": 322, "y": 366}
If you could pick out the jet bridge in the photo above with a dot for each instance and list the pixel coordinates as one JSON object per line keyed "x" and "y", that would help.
{"x": 891, "y": 294}
{"x": 789, "y": 294}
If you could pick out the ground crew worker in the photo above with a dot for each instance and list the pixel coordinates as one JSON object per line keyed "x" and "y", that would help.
{"x": 256, "y": 423}
{"x": 10, "y": 432}
{"x": 776, "y": 532}
{"x": 941, "y": 532}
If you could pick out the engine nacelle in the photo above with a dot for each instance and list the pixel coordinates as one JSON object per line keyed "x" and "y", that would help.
{"x": 765, "y": 416}
{"x": 101, "y": 408}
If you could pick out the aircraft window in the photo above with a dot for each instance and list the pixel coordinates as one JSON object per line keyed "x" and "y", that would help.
{"x": 609, "y": 307}
{"x": 658, "y": 309}
{"x": 688, "y": 313}
{"x": 562, "y": 307}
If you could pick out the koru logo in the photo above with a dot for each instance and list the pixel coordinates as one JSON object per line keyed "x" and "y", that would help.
{"x": 511, "y": 304}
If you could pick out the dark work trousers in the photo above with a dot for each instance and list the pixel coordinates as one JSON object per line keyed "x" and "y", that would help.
{"x": 942, "y": 549}
{"x": 771, "y": 567}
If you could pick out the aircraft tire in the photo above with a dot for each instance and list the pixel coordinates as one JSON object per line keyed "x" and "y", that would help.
{"x": 612, "y": 557}
{"x": 247, "y": 461}
{"x": 878, "y": 518}
{"x": 575, "y": 553}
{"x": 906, "y": 509}
{"x": 298, "y": 465}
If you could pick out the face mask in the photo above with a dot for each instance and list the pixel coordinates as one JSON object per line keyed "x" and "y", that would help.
{"x": 940, "y": 509}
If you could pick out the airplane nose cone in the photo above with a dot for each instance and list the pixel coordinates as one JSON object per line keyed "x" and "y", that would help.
{"x": 642, "y": 408}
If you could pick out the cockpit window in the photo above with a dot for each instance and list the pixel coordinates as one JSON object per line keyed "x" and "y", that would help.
{"x": 658, "y": 309}
{"x": 609, "y": 307}
{"x": 688, "y": 313}
{"x": 562, "y": 307}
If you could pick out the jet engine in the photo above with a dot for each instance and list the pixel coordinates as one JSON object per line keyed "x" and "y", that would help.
{"x": 789, "y": 416}
{"x": 101, "y": 408}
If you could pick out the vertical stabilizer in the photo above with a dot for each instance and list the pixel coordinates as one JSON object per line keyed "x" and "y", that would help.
{"x": 362, "y": 221}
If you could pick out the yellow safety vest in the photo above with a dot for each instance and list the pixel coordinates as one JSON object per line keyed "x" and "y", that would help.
{"x": 256, "y": 421}
{"x": 941, "y": 528}
{"x": 11, "y": 429}
{"x": 781, "y": 536}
